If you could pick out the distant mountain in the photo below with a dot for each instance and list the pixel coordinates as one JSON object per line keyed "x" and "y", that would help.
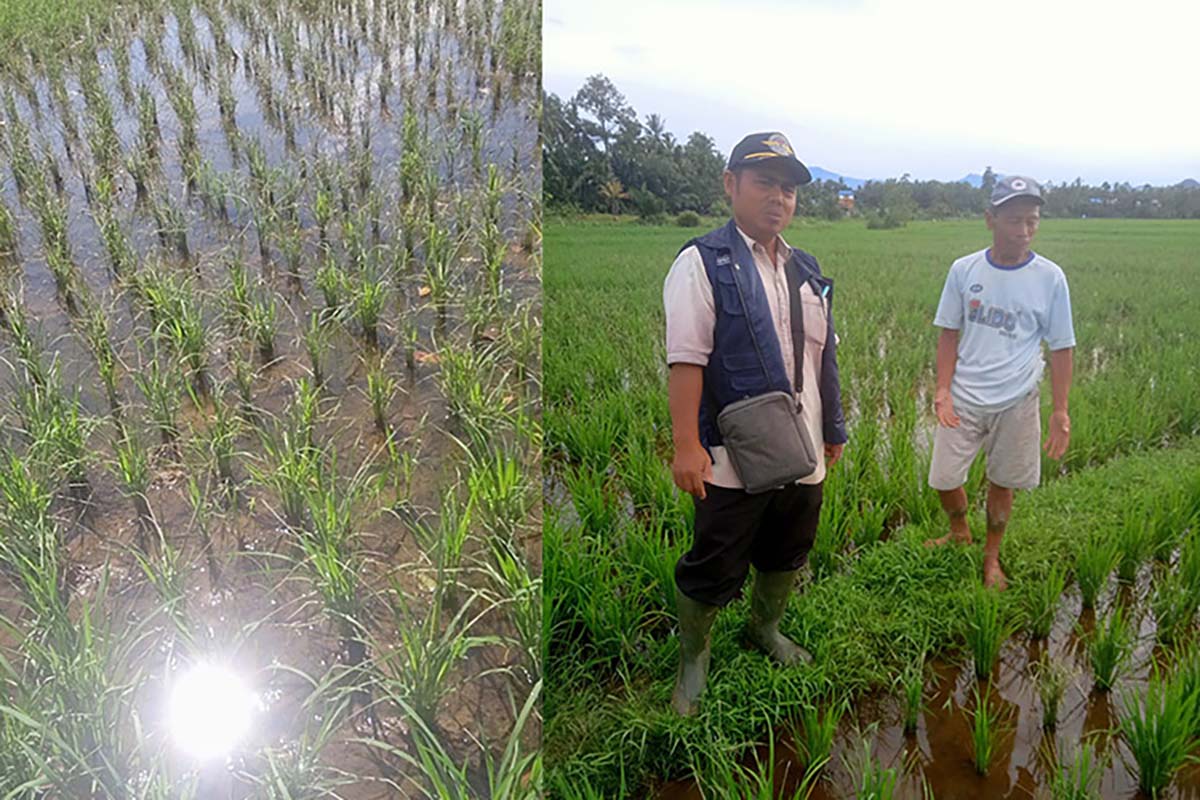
{"x": 1189, "y": 183}
{"x": 825, "y": 175}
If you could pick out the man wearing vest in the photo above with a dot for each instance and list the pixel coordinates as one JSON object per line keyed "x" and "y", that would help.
{"x": 746, "y": 314}
{"x": 998, "y": 305}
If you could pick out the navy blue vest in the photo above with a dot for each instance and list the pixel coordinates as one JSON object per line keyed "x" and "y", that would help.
{"x": 746, "y": 358}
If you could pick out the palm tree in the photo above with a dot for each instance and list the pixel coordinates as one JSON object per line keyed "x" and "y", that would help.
{"x": 612, "y": 192}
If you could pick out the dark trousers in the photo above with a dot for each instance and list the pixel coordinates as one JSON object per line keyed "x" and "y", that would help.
{"x": 773, "y": 531}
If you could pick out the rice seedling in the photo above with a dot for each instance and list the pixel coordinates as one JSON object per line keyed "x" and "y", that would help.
{"x": 55, "y": 426}
{"x": 121, "y": 256}
{"x": 370, "y": 297}
{"x": 1051, "y": 676}
{"x": 8, "y": 235}
{"x": 177, "y": 317}
{"x": 133, "y": 469}
{"x": 329, "y": 549}
{"x": 499, "y": 486}
{"x": 441, "y": 255}
{"x": 1133, "y": 545}
{"x": 872, "y": 779}
{"x": 262, "y": 320}
{"x": 1174, "y": 604}
{"x": 814, "y": 733}
{"x": 1161, "y": 727}
{"x": 217, "y": 443}
{"x": 292, "y": 469}
{"x": 316, "y": 343}
{"x": 1094, "y": 562}
{"x": 162, "y": 386}
{"x": 1078, "y": 777}
{"x": 912, "y": 682}
{"x": 519, "y": 594}
{"x": 149, "y": 132}
{"x": 1044, "y": 600}
{"x": 1109, "y": 648}
{"x": 170, "y": 226}
{"x": 381, "y": 390}
{"x": 95, "y": 331}
{"x": 333, "y": 283}
{"x": 1189, "y": 555}
{"x": 985, "y": 730}
{"x": 431, "y": 645}
{"x": 986, "y": 629}
{"x": 30, "y": 547}
{"x": 67, "y": 692}
{"x": 723, "y": 776}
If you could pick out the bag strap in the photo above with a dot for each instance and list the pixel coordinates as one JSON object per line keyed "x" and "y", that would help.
{"x": 795, "y": 282}
{"x": 749, "y": 322}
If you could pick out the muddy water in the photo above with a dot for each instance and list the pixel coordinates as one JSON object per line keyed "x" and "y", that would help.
{"x": 246, "y": 597}
{"x": 940, "y": 755}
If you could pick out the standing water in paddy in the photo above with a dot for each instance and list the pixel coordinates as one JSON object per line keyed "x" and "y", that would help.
{"x": 270, "y": 340}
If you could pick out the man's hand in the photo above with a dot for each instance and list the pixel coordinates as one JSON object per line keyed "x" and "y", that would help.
{"x": 1059, "y": 436}
{"x": 833, "y": 452}
{"x": 691, "y": 468}
{"x": 943, "y": 406}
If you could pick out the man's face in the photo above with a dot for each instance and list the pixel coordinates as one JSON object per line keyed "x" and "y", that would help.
{"x": 1014, "y": 223}
{"x": 763, "y": 199}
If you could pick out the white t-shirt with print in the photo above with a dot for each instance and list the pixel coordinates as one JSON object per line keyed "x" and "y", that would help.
{"x": 1003, "y": 314}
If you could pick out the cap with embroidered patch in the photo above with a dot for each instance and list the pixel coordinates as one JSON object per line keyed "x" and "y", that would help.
{"x": 771, "y": 147}
{"x": 1011, "y": 186}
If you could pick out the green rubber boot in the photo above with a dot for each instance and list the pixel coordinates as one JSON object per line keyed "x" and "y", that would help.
{"x": 695, "y": 627}
{"x": 768, "y": 601}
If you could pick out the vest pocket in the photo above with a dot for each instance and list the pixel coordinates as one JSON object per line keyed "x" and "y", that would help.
{"x": 744, "y": 371}
{"x": 731, "y": 302}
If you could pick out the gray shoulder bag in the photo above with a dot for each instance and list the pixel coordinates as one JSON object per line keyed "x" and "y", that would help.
{"x": 764, "y": 435}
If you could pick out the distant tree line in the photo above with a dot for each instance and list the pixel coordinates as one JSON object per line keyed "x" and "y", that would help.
{"x": 597, "y": 156}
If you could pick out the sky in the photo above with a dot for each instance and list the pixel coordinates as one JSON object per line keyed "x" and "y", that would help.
{"x": 1053, "y": 89}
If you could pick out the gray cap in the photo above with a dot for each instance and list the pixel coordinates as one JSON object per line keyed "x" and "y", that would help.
{"x": 1011, "y": 186}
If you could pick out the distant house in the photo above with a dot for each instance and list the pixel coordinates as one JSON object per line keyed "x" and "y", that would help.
{"x": 846, "y": 200}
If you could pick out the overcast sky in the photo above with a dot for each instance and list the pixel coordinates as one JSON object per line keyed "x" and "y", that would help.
{"x": 936, "y": 88}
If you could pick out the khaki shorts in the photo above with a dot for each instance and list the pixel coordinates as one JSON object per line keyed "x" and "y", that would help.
{"x": 1009, "y": 439}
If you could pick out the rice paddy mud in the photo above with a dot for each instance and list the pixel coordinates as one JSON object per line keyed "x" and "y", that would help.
{"x": 1079, "y": 681}
{"x": 270, "y": 358}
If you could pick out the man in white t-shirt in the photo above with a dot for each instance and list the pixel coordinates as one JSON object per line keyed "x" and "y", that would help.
{"x": 998, "y": 305}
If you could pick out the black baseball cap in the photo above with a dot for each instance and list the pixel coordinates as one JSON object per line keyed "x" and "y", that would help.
{"x": 768, "y": 147}
{"x": 1012, "y": 186}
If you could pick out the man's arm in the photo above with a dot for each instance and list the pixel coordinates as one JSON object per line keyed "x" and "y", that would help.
{"x": 691, "y": 316}
{"x": 692, "y": 466}
{"x": 947, "y": 359}
{"x": 1062, "y": 365}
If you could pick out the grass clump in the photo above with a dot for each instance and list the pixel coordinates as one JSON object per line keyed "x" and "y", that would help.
{"x": 1094, "y": 562}
{"x": 1160, "y": 724}
{"x": 1109, "y": 648}
{"x": 1043, "y": 601}
{"x": 1051, "y": 676}
{"x": 986, "y": 629}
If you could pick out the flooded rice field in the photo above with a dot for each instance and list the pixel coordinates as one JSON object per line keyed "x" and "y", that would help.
{"x": 269, "y": 358}
{"x": 887, "y": 745}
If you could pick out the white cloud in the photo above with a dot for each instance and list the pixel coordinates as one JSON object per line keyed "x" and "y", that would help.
{"x": 1075, "y": 86}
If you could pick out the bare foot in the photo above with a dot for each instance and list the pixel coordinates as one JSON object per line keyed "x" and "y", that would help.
{"x": 993, "y": 576}
{"x": 952, "y": 536}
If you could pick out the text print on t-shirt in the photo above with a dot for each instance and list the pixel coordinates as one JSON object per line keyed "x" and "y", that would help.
{"x": 1003, "y": 321}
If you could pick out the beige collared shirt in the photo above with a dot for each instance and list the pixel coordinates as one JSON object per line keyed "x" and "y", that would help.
{"x": 691, "y": 318}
